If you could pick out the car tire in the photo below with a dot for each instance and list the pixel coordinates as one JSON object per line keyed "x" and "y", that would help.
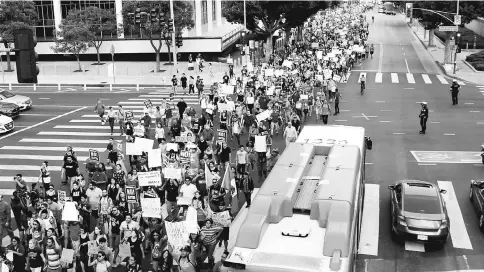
{"x": 481, "y": 222}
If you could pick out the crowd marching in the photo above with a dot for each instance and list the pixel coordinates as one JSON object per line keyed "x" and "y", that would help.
{"x": 168, "y": 194}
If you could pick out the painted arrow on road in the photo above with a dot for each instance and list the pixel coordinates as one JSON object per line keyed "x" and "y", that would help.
{"x": 447, "y": 156}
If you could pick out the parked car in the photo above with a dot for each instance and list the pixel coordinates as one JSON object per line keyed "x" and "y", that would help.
{"x": 477, "y": 198}
{"x": 390, "y": 12}
{"x": 24, "y": 102}
{"x": 418, "y": 212}
{"x": 6, "y": 124}
{"x": 381, "y": 10}
{"x": 9, "y": 109}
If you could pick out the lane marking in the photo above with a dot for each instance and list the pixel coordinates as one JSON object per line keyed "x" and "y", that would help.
{"x": 449, "y": 134}
{"x": 435, "y": 122}
{"x": 410, "y": 78}
{"x": 442, "y": 79}
{"x": 394, "y": 77}
{"x": 370, "y": 226}
{"x": 64, "y": 141}
{"x": 378, "y": 78}
{"x": 37, "y": 114}
{"x": 369, "y": 163}
{"x": 426, "y": 79}
{"x": 409, "y": 88}
{"x": 399, "y": 133}
{"x": 367, "y": 117}
{"x": 51, "y": 148}
{"x": 385, "y": 110}
{"x": 427, "y": 164}
{"x": 406, "y": 63}
{"x": 43, "y": 98}
{"x": 413, "y": 246}
{"x": 458, "y": 230}
{"x": 340, "y": 120}
{"x": 469, "y": 103}
{"x": 474, "y": 111}
{"x": 41, "y": 123}
{"x": 344, "y": 110}
{"x": 385, "y": 121}
{"x": 379, "y": 101}
{"x": 27, "y": 179}
{"x": 83, "y": 127}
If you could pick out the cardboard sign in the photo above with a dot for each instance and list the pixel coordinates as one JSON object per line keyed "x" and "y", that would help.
{"x": 67, "y": 256}
{"x": 250, "y": 100}
{"x": 146, "y": 145}
{"x": 148, "y": 103}
{"x": 131, "y": 194}
{"x": 124, "y": 251}
{"x": 154, "y": 158}
{"x": 222, "y": 135}
{"x": 172, "y": 173}
{"x": 263, "y": 115}
{"x": 129, "y": 116}
{"x": 185, "y": 157}
{"x": 152, "y": 178}
{"x": 185, "y": 137}
{"x": 337, "y": 78}
{"x": 221, "y": 218}
{"x": 93, "y": 155}
{"x": 304, "y": 97}
{"x": 119, "y": 147}
{"x": 177, "y": 233}
{"x": 70, "y": 213}
{"x": 260, "y": 144}
{"x": 269, "y": 72}
{"x": 133, "y": 149}
{"x": 172, "y": 146}
{"x": 151, "y": 207}
{"x": 62, "y": 197}
{"x": 92, "y": 248}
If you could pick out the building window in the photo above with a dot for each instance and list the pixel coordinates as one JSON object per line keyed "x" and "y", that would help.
{"x": 44, "y": 29}
{"x": 204, "y": 12}
{"x": 214, "y": 12}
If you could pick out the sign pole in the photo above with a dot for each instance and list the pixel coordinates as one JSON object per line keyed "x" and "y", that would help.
{"x": 112, "y": 61}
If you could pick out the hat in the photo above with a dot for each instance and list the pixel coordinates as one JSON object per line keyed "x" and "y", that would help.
{"x": 454, "y": 80}
{"x": 424, "y": 103}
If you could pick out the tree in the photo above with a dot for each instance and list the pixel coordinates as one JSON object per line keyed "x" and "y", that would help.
{"x": 15, "y": 15}
{"x": 156, "y": 32}
{"x": 264, "y": 18}
{"x": 445, "y": 9}
{"x": 100, "y": 22}
{"x": 76, "y": 39}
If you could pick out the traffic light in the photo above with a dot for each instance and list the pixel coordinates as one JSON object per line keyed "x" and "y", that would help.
{"x": 170, "y": 25}
{"x": 179, "y": 41}
{"x": 137, "y": 16}
{"x": 243, "y": 51}
{"x": 153, "y": 16}
{"x": 25, "y": 55}
{"x": 458, "y": 50}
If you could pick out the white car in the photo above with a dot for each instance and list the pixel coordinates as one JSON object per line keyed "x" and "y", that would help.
{"x": 24, "y": 102}
{"x": 381, "y": 10}
{"x": 6, "y": 124}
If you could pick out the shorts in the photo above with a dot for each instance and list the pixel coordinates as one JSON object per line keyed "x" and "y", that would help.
{"x": 224, "y": 236}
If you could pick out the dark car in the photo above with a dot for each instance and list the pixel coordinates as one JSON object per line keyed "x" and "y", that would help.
{"x": 9, "y": 109}
{"x": 477, "y": 198}
{"x": 419, "y": 212}
{"x": 390, "y": 12}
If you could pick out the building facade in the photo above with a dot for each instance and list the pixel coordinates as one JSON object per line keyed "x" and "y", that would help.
{"x": 207, "y": 13}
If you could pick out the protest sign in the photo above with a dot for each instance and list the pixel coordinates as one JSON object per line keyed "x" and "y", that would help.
{"x": 221, "y": 218}
{"x": 177, "y": 233}
{"x": 148, "y": 103}
{"x": 319, "y": 77}
{"x": 230, "y": 105}
{"x": 304, "y": 97}
{"x": 129, "y": 115}
{"x": 263, "y": 115}
{"x": 250, "y": 100}
{"x": 152, "y": 178}
{"x": 337, "y": 78}
{"x": 93, "y": 155}
{"x": 154, "y": 158}
{"x": 67, "y": 256}
{"x": 131, "y": 194}
{"x": 92, "y": 248}
{"x": 151, "y": 207}
{"x": 172, "y": 173}
{"x": 164, "y": 211}
{"x": 269, "y": 72}
{"x": 294, "y": 72}
{"x": 227, "y": 89}
{"x": 222, "y": 135}
{"x": 287, "y": 64}
{"x": 70, "y": 213}
{"x": 260, "y": 144}
{"x": 185, "y": 157}
{"x": 187, "y": 201}
{"x": 119, "y": 147}
{"x": 124, "y": 250}
{"x": 133, "y": 149}
{"x": 172, "y": 146}
{"x": 145, "y": 145}
{"x": 315, "y": 45}
{"x": 270, "y": 90}
{"x": 186, "y": 137}
{"x": 319, "y": 54}
{"x": 62, "y": 197}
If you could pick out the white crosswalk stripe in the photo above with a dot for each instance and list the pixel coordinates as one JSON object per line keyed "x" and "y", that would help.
{"x": 37, "y": 157}
{"x": 442, "y": 79}
{"x": 28, "y": 167}
{"x": 63, "y": 141}
{"x": 74, "y": 133}
{"x": 378, "y": 78}
{"x": 410, "y": 78}
{"x": 51, "y": 148}
{"x": 394, "y": 77}
{"x": 27, "y": 179}
{"x": 461, "y": 83}
{"x": 426, "y": 79}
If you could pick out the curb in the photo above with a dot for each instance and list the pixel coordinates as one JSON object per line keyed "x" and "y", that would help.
{"x": 472, "y": 67}
{"x": 85, "y": 86}
{"x": 449, "y": 75}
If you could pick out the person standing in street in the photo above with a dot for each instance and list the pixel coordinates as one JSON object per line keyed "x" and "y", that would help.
{"x": 100, "y": 109}
{"x": 337, "y": 97}
{"x": 191, "y": 85}
{"x": 454, "y": 90}
{"x": 5, "y": 218}
{"x": 326, "y": 111}
{"x": 147, "y": 124}
{"x": 111, "y": 119}
{"x": 183, "y": 81}
{"x": 121, "y": 117}
{"x": 424, "y": 116}
{"x": 174, "y": 82}
{"x": 290, "y": 133}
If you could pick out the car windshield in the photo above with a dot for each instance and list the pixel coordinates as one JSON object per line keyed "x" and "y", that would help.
{"x": 421, "y": 204}
{"x": 7, "y": 94}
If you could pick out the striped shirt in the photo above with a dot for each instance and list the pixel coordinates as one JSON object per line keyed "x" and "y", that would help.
{"x": 53, "y": 257}
{"x": 210, "y": 235}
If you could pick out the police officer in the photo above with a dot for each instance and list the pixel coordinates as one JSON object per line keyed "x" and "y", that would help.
{"x": 424, "y": 116}
{"x": 454, "y": 90}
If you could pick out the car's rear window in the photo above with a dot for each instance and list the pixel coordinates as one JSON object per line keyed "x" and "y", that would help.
{"x": 421, "y": 204}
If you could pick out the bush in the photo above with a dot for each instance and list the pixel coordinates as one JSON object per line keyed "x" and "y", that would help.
{"x": 467, "y": 36}
{"x": 476, "y": 57}
{"x": 478, "y": 65}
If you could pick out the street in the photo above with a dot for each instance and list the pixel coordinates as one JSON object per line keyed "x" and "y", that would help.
{"x": 399, "y": 76}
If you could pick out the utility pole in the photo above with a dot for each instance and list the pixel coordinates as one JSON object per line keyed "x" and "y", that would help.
{"x": 247, "y": 58}
{"x": 457, "y": 38}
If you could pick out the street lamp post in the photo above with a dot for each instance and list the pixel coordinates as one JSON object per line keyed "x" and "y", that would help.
{"x": 457, "y": 39}
{"x": 172, "y": 15}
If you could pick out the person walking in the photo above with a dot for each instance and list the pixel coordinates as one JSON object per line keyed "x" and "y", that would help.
{"x": 337, "y": 98}
{"x": 191, "y": 85}
{"x": 5, "y": 219}
{"x": 111, "y": 119}
{"x": 454, "y": 90}
{"x": 290, "y": 133}
{"x": 424, "y": 116}
{"x": 174, "y": 82}
{"x": 326, "y": 111}
{"x": 247, "y": 187}
{"x": 121, "y": 120}
{"x": 100, "y": 109}
{"x": 183, "y": 81}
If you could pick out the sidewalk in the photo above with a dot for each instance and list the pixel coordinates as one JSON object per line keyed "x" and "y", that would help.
{"x": 125, "y": 73}
{"x": 463, "y": 71}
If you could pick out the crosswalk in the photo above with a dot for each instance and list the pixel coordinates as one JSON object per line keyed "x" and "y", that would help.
{"x": 399, "y": 78}
{"x": 370, "y": 223}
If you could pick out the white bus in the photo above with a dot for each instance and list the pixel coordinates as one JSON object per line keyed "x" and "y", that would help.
{"x": 307, "y": 214}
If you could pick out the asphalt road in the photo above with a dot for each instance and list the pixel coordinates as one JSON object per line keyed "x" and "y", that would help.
{"x": 398, "y": 77}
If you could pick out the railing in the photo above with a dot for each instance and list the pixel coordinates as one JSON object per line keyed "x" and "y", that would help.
{"x": 230, "y": 37}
